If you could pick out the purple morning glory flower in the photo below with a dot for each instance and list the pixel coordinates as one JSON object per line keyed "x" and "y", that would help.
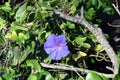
{"x": 56, "y": 46}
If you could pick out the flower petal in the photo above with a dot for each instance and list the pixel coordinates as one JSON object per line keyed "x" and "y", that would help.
{"x": 64, "y": 51}
{"x": 55, "y": 55}
{"x": 58, "y": 54}
{"x": 50, "y": 41}
{"x": 60, "y": 39}
{"x": 50, "y": 50}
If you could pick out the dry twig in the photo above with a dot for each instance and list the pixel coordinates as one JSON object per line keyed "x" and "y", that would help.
{"x": 116, "y": 7}
{"x": 114, "y": 25}
{"x": 71, "y": 68}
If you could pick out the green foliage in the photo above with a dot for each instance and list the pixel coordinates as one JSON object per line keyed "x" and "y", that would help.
{"x": 21, "y": 13}
{"x": 25, "y": 27}
{"x": 34, "y": 64}
{"x": 90, "y": 14}
{"x": 43, "y": 75}
{"x": 6, "y": 7}
{"x": 94, "y": 2}
{"x": 99, "y": 48}
{"x": 2, "y": 23}
{"x": 2, "y": 40}
{"x": 70, "y": 25}
{"x": 16, "y": 56}
{"x": 80, "y": 40}
{"x": 94, "y": 76}
{"x": 10, "y": 74}
{"x": 34, "y": 76}
{"x": 0, "y": 78}
{"x": 23, "y": 55}
{"x": 97, "y": 6}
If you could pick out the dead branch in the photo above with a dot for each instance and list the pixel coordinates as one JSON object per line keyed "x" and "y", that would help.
{"x": 98, "y": 34}
{"x": 112, "y": 25}
{"x": 116, "y": 8}
{"x": 71, "y": 68}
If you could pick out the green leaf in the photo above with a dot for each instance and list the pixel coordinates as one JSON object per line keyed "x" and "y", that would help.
{"x": 86, "y": 45}
{"x": 94, "y": 2}
{"x": 34, "y": 76}
{"x": 16, "y": 55}
{"x": 43, "y": 14}
{"x": 109, "y": 10}
{"x": 22, "y": 37}
{"x": 62, "y": 26}
{"x": 80, "y": 78}
{"x": 44, "y": 5}
{"x": 100, "y": 4}
{"x": 43, "y": 75}
{"x": 2, "y": 23}
{"x": 92, "y": 61}
{"x": 6, "y": 7}
{"x": 15, "y": 26}
{"x": 70, "y": 25}
{"x": 88, "y": 4}
{"x": 55, "y": 3}
{"x": 9, "y": 74}
{"x": 72, "y": 9}
{"x": 47, "y": 60}
{"x": 14, "y": 36}
{"x": 80, "y": 40}
{"x": 99, "y": 48}
{"x": 2, "y": 40}
{"x": 21, "y": 13}
{"x": 90, "y": 13}
{"x": 117, "y": 77}
{"x": 34, "y": 64}
{"x": 92, "y": 76}
{"x": 0, "y": 78}
{"x": 25, "y": 53}
{"x": 47, "y": 75}
{"x": 104, "y": 77}
{"x": 76, "y": 3}
{"x": 8, "y": 35}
